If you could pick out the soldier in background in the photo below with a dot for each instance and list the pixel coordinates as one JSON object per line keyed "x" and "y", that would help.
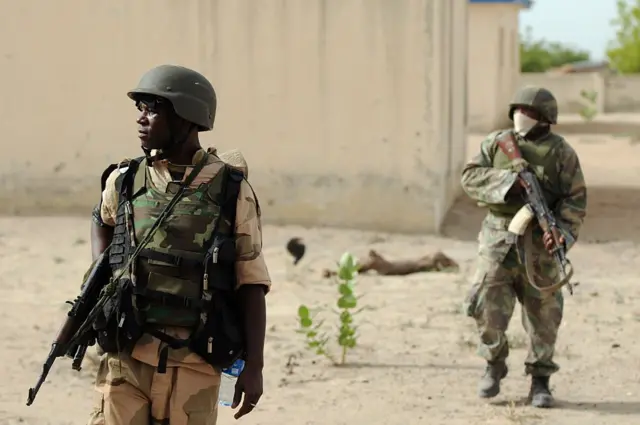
{"x": 499, "y": 277}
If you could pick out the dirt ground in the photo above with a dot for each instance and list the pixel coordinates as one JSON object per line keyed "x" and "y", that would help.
{"x": 415, "y": 362}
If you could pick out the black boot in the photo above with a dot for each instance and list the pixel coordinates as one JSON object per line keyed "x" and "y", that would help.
{"x": 489, "y": 385}
{"x": 540, "y": 395}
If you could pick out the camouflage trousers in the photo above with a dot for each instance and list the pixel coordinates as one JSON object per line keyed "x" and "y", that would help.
{"x": 491, "y": 301}
{"x": 133, "y": 393}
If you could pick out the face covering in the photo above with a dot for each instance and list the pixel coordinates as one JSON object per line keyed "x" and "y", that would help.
{"x": 522, "y": 124}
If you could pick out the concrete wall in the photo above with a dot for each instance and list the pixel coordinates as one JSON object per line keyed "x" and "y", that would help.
{"x": 494, "y": 63}
{"x": 343, "y": 108}
{"x": 621, "y": 93}
{"x": 567, "y": 88}
{"x": 616, "y": 93}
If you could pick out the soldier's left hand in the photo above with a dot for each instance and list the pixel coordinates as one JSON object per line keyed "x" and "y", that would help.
{"x": 250, "y": 383}
{"x": 549, "y": 239}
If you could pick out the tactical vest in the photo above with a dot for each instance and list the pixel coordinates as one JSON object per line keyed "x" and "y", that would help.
{"x": 541, "y": 156}
{"x": 185, "y": 275}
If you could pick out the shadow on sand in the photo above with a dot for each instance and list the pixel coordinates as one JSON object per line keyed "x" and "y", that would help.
{"x": 365, "y": 365}
{"x": 606, "y": 407}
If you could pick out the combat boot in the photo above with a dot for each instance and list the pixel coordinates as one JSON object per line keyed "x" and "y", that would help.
{"x": 490, "y": 383}
{"x": 540, "y": 395}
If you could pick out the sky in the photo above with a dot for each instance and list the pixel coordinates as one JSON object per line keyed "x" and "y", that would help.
{"x": 581, "y": 23}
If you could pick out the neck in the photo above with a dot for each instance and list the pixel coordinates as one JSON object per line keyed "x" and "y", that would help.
{"x": 539, "y": 132}
{"x": 184, "y": 155}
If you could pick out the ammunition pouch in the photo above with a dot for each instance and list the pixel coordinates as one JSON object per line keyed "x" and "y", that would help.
{"x": 117, "y": 332}
{"x": 219, "y": 337}
{"x": 221, "y": 341}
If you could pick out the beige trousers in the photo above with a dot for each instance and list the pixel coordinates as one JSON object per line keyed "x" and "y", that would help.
{"x": 131, "y": 392}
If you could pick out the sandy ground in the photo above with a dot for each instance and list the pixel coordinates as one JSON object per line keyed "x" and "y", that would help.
{"x": 415, "y": 363}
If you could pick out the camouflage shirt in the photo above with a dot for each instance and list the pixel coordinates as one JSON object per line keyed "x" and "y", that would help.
{"x": 250, "y": 264}
{"x": 488, "y": 185}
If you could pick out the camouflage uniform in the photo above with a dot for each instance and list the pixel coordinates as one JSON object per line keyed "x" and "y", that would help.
{"x": 499, "y": 277}
{"x": 130, "y": 390}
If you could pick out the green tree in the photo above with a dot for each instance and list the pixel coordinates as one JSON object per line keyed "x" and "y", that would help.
{"x": 541, "y": 55}
{"x": 624, "y": 50}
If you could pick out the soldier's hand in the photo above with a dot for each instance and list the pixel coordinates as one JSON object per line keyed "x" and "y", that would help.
{"x": 250, "y": 384}
{"x": 549, "y": 239}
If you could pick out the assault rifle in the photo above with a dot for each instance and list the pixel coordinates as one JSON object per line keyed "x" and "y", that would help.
{"x": 536, "y": 206}
{"x": 72, "y": 341}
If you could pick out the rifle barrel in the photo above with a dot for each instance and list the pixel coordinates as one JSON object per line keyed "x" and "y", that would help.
{"x": 46, "y": 367}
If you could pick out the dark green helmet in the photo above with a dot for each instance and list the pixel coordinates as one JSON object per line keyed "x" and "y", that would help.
{"x": 537, "y": 98}
{"x": 191, "y": 94}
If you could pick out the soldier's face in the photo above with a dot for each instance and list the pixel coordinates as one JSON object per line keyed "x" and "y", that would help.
{"x": 153, "y": 122}
{"x": 529, "y": 112}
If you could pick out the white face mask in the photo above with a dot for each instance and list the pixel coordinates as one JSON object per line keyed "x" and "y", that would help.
{"x": 522, "y": 123}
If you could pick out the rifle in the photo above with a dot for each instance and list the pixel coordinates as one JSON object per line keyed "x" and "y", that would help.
{"x": 535, "y": 206}
{"x": 74, "y": 337}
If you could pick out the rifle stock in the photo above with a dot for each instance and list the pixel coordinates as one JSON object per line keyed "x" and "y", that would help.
{"x": 68, "y": 342}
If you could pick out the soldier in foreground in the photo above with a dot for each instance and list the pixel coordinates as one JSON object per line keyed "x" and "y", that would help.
{"x": 500, "y": 277}
{"x": 191, "y": 276}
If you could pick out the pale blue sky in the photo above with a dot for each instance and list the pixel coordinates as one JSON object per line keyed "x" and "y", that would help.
{"x": 582, "y": 23}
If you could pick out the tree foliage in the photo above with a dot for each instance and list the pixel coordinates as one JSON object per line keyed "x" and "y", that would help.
{"x": 541, "y": 55}
{"x": 624, "y": 50}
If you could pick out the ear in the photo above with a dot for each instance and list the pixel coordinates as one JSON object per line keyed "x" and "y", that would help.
{"x": 183, "y": 126}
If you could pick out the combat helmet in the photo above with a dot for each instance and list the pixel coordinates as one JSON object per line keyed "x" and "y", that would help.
{"x": 539, "y": 99}
{"x": 191, "y": 94}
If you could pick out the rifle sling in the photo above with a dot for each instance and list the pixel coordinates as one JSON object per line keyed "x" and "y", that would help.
{"x": 525, "y": 248}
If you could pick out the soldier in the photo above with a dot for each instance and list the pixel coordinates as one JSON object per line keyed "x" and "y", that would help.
{"x": 160, "y": 342}
{"x": 499, "y": 278}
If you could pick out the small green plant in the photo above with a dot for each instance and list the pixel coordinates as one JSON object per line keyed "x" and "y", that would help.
{"x": 347, "y": 304}
{"x": 316, "y": 340}
{"x": 590, "y": 110}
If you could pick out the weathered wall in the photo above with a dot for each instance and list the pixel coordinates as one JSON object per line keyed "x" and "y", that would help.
{"x": 567, "y": 87}
{"x": 621, "y": 93}
{"x": 340, "y": 106}
{"x": 616, "y": 93}
{"x": 494, "y": 63}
